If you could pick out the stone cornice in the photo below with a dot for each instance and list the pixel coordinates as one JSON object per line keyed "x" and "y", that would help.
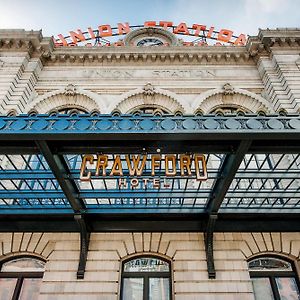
{"x": 36, "y": 45}
{"x": 19, "y": 40}
{"x": 272, "y": 39}
{"x": 180, "y": 54}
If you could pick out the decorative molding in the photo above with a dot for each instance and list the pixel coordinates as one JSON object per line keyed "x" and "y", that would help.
{"x": 229, "y": 95}
{"x": 67, "y": 97}
{"x": 149, "y": 89}
{"x": 228, "y": 89}
{"x": 70, "y": 90}
{"x": 64, "y": 124}
{"x": 178, "y": 54}
{"x": 148, "y": 95}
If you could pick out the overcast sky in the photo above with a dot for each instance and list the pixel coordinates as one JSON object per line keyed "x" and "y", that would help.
{"x": 61, "y": 16}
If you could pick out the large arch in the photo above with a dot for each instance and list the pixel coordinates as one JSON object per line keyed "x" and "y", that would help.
{"x": 227, "y": 95}
{"x": 70, "y": 96}
{"x": 148, "y": 95}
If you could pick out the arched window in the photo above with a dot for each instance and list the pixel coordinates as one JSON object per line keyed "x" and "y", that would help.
{"x": 146, "y": 278}
{"x": 150, "y": 110}
{"x": 273, "y": 279}
{"x": 20, "y": 278}
{"x": 229, "y": 110}
{"x": 68, "y": 111}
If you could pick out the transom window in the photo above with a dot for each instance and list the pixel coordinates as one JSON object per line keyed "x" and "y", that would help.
{"x": 228, "y": 110}
{"x": 20, "y": 278}
{"x": 146, "y": 278}
{"x": 68, "y": 111}
{"x": 150, "y": 110}
{"x": 273, "y": 279}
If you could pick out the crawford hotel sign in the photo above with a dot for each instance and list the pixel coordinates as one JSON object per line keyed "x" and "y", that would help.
{"x": 143, "y": 170}
{"x": 154, "y": 35}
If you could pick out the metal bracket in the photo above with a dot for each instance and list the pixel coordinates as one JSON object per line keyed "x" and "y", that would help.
{"x": 84, "y": 245}
{"x": 209, "y": 246}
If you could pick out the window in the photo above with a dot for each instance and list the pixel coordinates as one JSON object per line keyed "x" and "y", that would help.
{"x": 273, "y": 279}
{"x": 20, "y": 278}
{"x": 146, "y": 278}
{"x": 72, "y": 111}
{"x": 229, "y": 110}
{"x": 150, "y": 110}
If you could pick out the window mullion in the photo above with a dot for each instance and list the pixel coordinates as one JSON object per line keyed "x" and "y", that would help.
{"x": 146, "y": 287}
{"x": 274, "y": 288}
{"x": 18, "y": 287}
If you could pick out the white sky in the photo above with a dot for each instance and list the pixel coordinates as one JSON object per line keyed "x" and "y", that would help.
{"x": 61, "y": 16}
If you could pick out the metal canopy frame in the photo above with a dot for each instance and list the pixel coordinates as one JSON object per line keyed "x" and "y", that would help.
{"x": 253, "y": 175}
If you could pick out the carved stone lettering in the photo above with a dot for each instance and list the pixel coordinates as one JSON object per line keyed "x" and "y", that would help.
{"x": 112, "y": 73}
{"x": 109, "y": 73}
{"x": 183, "y": 73}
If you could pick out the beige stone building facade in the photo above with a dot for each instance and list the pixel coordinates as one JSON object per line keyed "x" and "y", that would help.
{"x": 261, "y": 78}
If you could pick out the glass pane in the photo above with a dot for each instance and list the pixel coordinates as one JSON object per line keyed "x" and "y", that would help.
{"x": 146, "y": 264}
{"x": 30, "y": 289}
{"x": 287, "y": 288}
{"x": 132, "y": 289}
{"x": 262, "y": 264}
{"x": 7, "y": 286}
{"x": 262, "y": 289}
{"x": 159, "y": 289}
{"x": 25, "y": 264}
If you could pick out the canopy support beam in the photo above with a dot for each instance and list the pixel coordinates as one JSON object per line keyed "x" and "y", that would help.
{"x": 228, "y": 171}
{"x": 62, "y": 174}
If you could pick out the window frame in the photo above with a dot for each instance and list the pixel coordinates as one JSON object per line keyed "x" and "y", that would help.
{"x": 273, "y": 274}
{"x": 146, "y": 275}
{"x": 20, "y": 276}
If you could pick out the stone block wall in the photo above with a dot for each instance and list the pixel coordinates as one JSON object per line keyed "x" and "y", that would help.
{"x": 184, "y": 250}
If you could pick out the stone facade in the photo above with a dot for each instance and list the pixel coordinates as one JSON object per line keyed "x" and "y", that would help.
{"x": 261, "y": 77}
{"x": 186, "y": 251}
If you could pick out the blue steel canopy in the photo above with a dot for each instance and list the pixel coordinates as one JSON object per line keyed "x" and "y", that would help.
{"x": 253, "y": 169}
{"x": 252, "y": 165}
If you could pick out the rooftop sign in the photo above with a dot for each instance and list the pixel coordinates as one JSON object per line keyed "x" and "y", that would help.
{"x": 199, "y": 34}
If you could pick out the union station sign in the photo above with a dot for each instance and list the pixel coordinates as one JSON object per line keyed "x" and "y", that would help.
{"x": 199, "y": 35}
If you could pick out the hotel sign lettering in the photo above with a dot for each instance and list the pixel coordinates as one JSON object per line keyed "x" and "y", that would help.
{"x": 152, "y": 169}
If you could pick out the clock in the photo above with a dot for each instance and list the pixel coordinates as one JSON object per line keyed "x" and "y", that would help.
{"x": 149, "y": 37}
{"x": 149, "y": 41}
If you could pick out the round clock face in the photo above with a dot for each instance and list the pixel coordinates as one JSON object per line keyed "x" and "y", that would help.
{"x": 146, "y": 42}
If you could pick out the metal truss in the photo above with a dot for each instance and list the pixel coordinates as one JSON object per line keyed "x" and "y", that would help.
{"x": 253, "y": 167}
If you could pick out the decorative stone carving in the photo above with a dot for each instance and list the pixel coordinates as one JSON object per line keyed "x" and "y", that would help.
{"x": 228, "y": 89}
{"x": 149, "y": 89}
{"x": 1, "y": 63}
{"x": 70, "y": 90}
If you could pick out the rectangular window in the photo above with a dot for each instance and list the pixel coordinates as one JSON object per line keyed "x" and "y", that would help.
{"x": 287, "y": 288}
{"x": 262, "y": 289}
{"x": 159, "y": 288}
{"x": 30, "y": 288}
{"x": 133, "y": 289}
{"x": 7, "y": 287}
